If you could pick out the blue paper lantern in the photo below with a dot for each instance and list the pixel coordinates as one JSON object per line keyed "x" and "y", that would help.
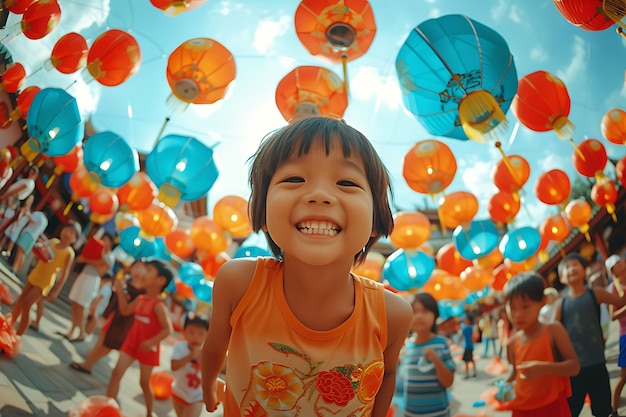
{"x": 191, "y": 273}
{"x": 254, "y": 246}
{"x": 476, "y": 296}
{"x": 476, "y": 239}
{"x": 110, "y": 159}
{"x": 450, "y": 308}
{"x": 161, "y": 252}
{"x": 182, "y": 168}
{"x": 446, "y": 59}
{"x": 135, "y": 244}
{"x": 203, "y": 290}
{"x": 408, "y": 269}
{"x": 54, "y": 123}
{"x": 520, "y": 244}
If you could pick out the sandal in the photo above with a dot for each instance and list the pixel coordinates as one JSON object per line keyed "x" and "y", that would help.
{"x": 78, "y": 367}
{"x": 78, "y": 339}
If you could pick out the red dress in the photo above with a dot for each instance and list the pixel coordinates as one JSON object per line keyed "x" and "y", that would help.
{"x": 145, "y": 326}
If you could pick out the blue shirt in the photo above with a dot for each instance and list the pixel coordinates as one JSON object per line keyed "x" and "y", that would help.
{"x": 468, "y": 332}
{"x": 423, "y": 395}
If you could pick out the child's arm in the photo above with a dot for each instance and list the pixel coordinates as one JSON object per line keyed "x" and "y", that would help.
{"x": 399, "y": 315}
{"x": 568, "y": 366}
{"x": 125, "y": 307}
{"x": 101, "y": 264}
{"x": 510, "y": 356}
{"x": 166, "y": 327}
{"x": 603, "y": 296}
{"x": 445, "y": 375}
{"x": 231, "y": 282}
{"x": 62, "y": 275}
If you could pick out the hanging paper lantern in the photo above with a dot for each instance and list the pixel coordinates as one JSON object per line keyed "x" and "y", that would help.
{"x": 113, "y": 57}
{"x": 66, "y": 163}
{"x": 255, "y": 245}
{"x": 552, "y": 187}
{"x": 585, "y": 14}
{"x": 604, "y": 193}
{"x": 555, "y": 228}
{"x": 18, "y": 6}
{"x": 182, "y": 167}
{"x": 157, "y": 220}
{"x": 411, "y": 230}
{"x": 103, "y": 204}
{"x": 490, "y": 260}
{"x": 138, "y": 193}
{"x": 578, "y": 213}
{"x": 613, "y": 126}
{"x": 180, "y": 243}
{"x": 503, "y": 207}
{"x": 12, "y": 79}
{"x": 208, "y": 236}
{"x": 450, "y": 260}
{"x": 511, "y": 173}
{"x": 616, "y": 11}
{"x": 23, "y": 101}
{"x": 135, "y": 244}
{"x": 501, "y": 275}
{"x": 372, "y": 267}
{"x": 124, "y": 220}
{"x": 311, "y": 91}
{"x": 475, "y": 278}
{"x": 174, "y": 7}
{"x": 199, "y": 71}
{"x": 443, "y": 286}
{"x": 161, "y": 384}
{"x": 109, "y": 159}
{"x": 182, "y": 289}
{"x": 231, "y": 214}
{"x": 476, "y": 239}
{"x": 620, "y": 171}
{"x": 591, "y": 158}
{"x": 406, "y": 270}
{"x": 40, "y": 18}
{"x": 212, "y": 263}
{"x": 54, "y": 123}
{"x": 203, "y": 290}
{"x": 81, "y": 184}
{"x": 190, "y": 273}
{"x": 69, "y": 54}
{"x": 429, "y": 167}
{"x": 520, "y": 244}
{"x": 457, "y": 208}
{"x": 457, "y": 78}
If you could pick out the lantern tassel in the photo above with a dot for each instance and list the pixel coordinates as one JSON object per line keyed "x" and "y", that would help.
{"x": 158, "y": 138}
{"x": 615, "y": 10}
{"x": 481, "y": 117}
{"x": 50, "y": 181}
{"x": 441, "y": 221}
{"x": 344, "y": 66}
{"x": 578, "y": 151}
{"x": 67, "y": 208}
{"x": 507, "y": 163}
{"x": 563, "y": 128}
{"x": 610, "y": 208}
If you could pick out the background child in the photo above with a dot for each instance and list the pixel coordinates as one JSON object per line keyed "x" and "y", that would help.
{"x": 152, "y": 324}
{"x": 320, "y": 194}
{"x": 187, "y": 388}
{"x": 99, "y": 304}
{"x": 616, "y": 266}
{"x": 548, "y": 311}
{"x": 467, "y": 329}
{"x": 542, "y": 355}
{"x": 426, "y": 366}
{"x": 580, "y": 314}
{"x": 43, "y": 277}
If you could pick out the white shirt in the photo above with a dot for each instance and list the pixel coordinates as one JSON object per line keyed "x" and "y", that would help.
{"x": 187, "y": 383}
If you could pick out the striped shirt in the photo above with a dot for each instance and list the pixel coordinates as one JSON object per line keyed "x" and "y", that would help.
{"x": 423, "y": 395}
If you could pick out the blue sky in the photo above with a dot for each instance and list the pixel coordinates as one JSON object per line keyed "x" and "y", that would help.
{"x": 262, "y": 38}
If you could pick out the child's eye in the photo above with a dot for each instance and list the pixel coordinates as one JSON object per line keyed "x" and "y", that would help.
{"x": 293, "y": 179}
{"x": 347, "y": 183}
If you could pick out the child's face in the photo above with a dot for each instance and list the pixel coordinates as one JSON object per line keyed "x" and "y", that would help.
{"x": 320, "y": 207}
{"x": 137, "y": 272}
{"x": 194, "y": 334}
{"x": 523, "y": 312}
{"x": 68, "y": 235}
{"x": 619, "y": 271}
{"x": 423, "y": 319}
{"x": 151, "y": 278}
{"x": 573, "y": 272}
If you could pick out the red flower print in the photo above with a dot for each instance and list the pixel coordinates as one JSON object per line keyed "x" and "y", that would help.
{"x": 334, "y": 387}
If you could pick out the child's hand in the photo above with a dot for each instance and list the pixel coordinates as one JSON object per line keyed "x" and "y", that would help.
{"x": 146, "y": 346}
{"x": 530, "y": 369}
{"x": 118, "y": 285}
{"x": 430, "y": 354}
{"x": 196, "y": 351}
{"x": 212, "y": 394}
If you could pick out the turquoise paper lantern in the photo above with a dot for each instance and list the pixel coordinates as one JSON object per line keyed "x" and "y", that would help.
{"x": 191, "y": 273}
{"x": 182, "y": 167}
{"x": 54, "y": 123}
{"x": 476, "y": 239}
{"x": 110, "y": 159}
{"x": 450, "y": 308}
{"x": 135, "y": 244}
{"x": 520, "y": 244}
{"x": 254, "y": 246}
{"x": 408, "y": 269}
{"x": 203, "y": 290}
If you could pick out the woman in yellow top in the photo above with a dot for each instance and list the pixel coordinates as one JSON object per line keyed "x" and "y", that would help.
{"x": 44, "y": 275}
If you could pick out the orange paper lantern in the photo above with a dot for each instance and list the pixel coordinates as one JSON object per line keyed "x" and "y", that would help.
{"x": 13, "y": 78}
{"x": 24, "y": 100}
{"x": 555, "y": 228}
{"x": 476, "y": 278}
{"x": 578, "y": 213}
{"x": 174, "y": 7}
{"x": 511, "y": 173}
{"x": 429, "y": 167}
{"x": 450, "y": 260}
{"x": 157, "y": 219}
{"x": 180, "y": 243}
{"x": 40, "y": 18}
{"x": 231, "y": 214}
{"x": 411, "y": 230}
{"x": 604, "y": 193}
{"x": 503, "y": 207}
{"x": 444, "y": 286}
{"x": 620, "y": 171}
{"x": 113, "y": 57}
{"x": 138, "y": 193}
{"x": 590, "y": 158}
{"x": 613, "y": 126}
{"x": 457, "y": 208}
{"x": 81, "y": 183}
{"x": 490, "y": 260}
{"x": 372, "y": 267}
{"x": 311, "y": 91}
{"x": 208, "y": 236}
{"x": 161, "y": 384}
{"x": 69, "y": 53}
{"x": 103, "y": 203}
{"x": 552, "y": 187}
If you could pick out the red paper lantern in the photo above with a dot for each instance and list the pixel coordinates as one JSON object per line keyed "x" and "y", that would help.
{"x": 18, "y": 6}
{"x": 604, "y": 193}
{"x": 81, "y": 183}
{"x": 503, "y": 207}
{"x": 501, "y": 275}
{"x": 578, "y": 213}
{"x": 553, "y": 187}
{"x": 457, "y": 208}
{"x": 138, "y": 193}
{"x": 70, "y": 161}
{"x": 113, "y": 57}
{"x": 69, "y": 53}
{"x": 24, "y": 100}
{"x": 449, "y": 259}
{"x": 511, "y": 173}
{"x": 311, "y": 91}
{"x": 211, "y": 264}
{"x": 208, "y": 236}
{"x": 429, "y": 167}
{"x": 103, "y": 203}
{"x": 613, "y": 126}
{"x": 13, "y": 78}
{"x": 231, "y": 214}
{"x": 180, "y": 243}
{"x": 555, "y": 228}
{"x": 590, "y": 158}
{"x": 161, "y": 384}
{"x": 183, "y": 289}
{"x": 411, "y": 230}
{"x": 585, "y": 14}
{"x": 40, "y": 18}
{"x": 174, "y": 7}
{"x": 157, "y": 219}
{"x": 542, "y": 103}
{"x": 620, "y": 171}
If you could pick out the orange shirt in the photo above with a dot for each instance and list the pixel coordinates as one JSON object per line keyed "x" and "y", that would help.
{"x": 278, "y": 366}
{"x": 541, "y": 391}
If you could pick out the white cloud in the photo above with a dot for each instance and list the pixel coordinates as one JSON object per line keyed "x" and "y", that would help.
{"x": 434, "y": 13}
{"x": 538, "y": 54}
{"x": 368, "y": 83}
{"x": 578, "y": 63}
{"x": 477, "y": 178}
{"x": 267, "y": 31}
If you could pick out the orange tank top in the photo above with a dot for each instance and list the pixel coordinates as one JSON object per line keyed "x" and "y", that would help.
{"x": 276, "y": 366}
{"x": 541, "y": 391}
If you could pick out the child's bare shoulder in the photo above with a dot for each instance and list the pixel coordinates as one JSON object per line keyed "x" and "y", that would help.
{"x": 234, "y": 277}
